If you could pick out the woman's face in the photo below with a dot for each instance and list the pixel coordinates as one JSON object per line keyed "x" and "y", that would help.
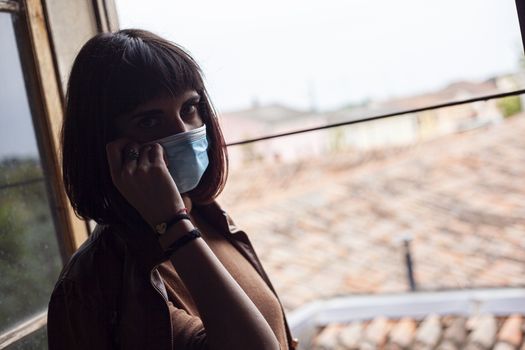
{"x": 161, "y": 117}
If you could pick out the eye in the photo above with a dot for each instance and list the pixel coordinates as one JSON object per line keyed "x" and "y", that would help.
{"x": 189, "y": 109}
{"x": 148, "y": 122}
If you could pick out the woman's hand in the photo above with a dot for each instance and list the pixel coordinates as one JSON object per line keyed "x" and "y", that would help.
{"x": 141, "y": 176}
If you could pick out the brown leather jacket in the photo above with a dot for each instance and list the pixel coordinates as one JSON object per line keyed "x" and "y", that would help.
{"x": 111, "y": 296}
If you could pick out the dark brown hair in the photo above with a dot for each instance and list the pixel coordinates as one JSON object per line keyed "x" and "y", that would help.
{"x": 112, "y": 74}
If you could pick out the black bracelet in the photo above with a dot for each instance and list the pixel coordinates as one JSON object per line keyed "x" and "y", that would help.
{"x": 164, "y": 226}
{"x": 188, "y": 237}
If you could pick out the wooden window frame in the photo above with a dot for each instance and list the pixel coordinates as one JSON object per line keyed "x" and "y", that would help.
{"x": 520, "y": 7}
{"x": 44, "y": 90}
{"x": 45, "y": 96}
{"x": 46, "y": 104}
{"x": 9, "y": 6}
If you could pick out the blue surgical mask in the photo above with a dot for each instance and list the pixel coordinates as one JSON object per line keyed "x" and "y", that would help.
{"x": 187, "y": 157}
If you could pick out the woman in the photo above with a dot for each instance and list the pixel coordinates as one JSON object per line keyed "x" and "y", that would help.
{"x": 143, "y": 156}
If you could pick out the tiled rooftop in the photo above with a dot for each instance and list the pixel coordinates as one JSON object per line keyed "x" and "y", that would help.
{"x": 335, "y": 225}
{"x": 479, "y": 332}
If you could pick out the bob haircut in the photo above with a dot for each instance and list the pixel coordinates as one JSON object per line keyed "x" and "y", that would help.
{"x": 113, "y": 74}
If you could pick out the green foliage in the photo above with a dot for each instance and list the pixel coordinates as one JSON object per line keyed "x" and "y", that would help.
{"x": 510, "y": 105}
{"x": 29, "y": 256}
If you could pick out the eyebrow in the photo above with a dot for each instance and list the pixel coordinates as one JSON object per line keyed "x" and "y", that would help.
{"x": 149, "y": 112}
{"x": 194, "y": 98}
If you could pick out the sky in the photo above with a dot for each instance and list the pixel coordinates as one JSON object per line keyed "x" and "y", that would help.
{"x": 17, "y": 137}
{"x": 303, "y": 54}
{"x": 328, "y": 54}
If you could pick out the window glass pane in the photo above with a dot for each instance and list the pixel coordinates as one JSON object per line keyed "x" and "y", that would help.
{"x": 336, "y": 224}
{"x": 35, "y": 340}
{"x": 326, "y": 55}
{"x": 29, "y": 255}
{"x": 330, "y": 211}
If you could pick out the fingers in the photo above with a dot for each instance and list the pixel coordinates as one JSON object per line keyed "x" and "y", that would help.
{"x": 143, "y": 162}
{"x": 130, "y": 156}
{"x": 157, "y": 155}
{"x": 125, "y": 157}
{"x": 139, "y": 172}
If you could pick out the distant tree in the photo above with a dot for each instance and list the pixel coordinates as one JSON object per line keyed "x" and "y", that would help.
{"x": 510, "y": 105}
{"x": 29, "y": 258}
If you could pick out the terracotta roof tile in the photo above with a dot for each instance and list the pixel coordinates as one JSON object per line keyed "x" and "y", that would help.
{"x": 429, "y": 333}
{"x": 402, "y": 334}
{"x": 433, "y": 333}
{"x": 483, "y": 335}
{"x": 328, "y": 338}
{"x": 511, "y": 331}
{"x": 332, "y": 225}
{"x": 504, "y": 346}
{"x": 448, "y": 345}
{"x": 456, "y": 332}
{"x": 350, "y": 336}
{"x": 377, "y": 331}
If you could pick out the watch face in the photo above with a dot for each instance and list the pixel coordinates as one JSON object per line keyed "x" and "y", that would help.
{"x": 161, "y": 228}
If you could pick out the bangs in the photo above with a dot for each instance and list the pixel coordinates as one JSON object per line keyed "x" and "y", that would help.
{"x": 112, "y": 74}
{"x": 146, "y": 71}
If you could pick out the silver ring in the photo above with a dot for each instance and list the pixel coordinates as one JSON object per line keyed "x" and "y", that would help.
{"x": 132, "y": 154}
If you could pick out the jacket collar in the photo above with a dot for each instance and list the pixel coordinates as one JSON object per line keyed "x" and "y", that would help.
{"x": 216, "y": 216}
{"x": 145, "y": 247}
{"x": 214, "y": 213}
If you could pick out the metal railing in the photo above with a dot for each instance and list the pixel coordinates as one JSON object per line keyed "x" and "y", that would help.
{"x": 381, "y": 116}
{"x": 21, "y": 183}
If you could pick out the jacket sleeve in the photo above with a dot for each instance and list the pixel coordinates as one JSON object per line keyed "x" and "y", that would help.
{"x": 188, "y": 331}
{"x": 76, "y": 321}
